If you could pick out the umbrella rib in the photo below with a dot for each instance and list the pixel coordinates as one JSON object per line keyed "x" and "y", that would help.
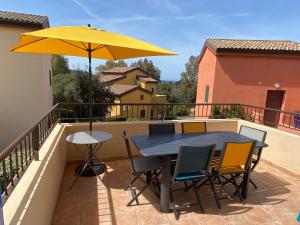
{"x": 112, "y": 55}
{"x": 84, "y": 45}
{"x": 73, "y": 44}
{"x": 29, "y": 43}
{"x": 98, "y": 47}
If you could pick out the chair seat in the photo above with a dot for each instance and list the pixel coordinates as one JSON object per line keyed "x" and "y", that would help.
{"x": 231, "y": 169}
{"x": 145, "y": 164}
{"x": 189, "y": 176}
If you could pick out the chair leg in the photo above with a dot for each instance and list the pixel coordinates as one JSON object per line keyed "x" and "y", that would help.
{"x": 214, "y": 192}
{"x": 157, "y": 182}
{"x": 133, "y": 194}
{"x": 197, "y": 196}
{"x": 171, "y": 196}
{"x": 252, "y": 182}
{"x": 137, "y": 195}
{"x": 130, "y": 183}
{"x": 237, "y": 188}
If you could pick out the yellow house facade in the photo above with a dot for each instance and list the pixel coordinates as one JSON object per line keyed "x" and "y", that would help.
{"x": 135, "y": 89}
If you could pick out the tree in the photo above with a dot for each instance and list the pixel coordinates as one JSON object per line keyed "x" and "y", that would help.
{"x": 148, "y": 67}
{"x": 74, "y": 88}
{"x": 64, "y": 88}
{"x": 109, "y": 64}
{"x": 60, "y": 65}
{"x": 169, "y": 88}
{"x": 188, "y": 81}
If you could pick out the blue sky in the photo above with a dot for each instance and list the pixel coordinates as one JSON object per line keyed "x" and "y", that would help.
{"x": 178, "y": 25}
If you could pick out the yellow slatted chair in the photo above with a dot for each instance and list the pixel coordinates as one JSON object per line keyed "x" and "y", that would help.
{"x": 193, "y": 127}
{"x": 235, "y": 161}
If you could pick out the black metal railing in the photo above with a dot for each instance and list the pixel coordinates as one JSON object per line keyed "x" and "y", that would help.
{"x": 16, "y": 157}
{"x": 78, "y": 112}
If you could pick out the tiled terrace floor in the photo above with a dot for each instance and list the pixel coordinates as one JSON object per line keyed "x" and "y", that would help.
{"x": 276, "y": 201}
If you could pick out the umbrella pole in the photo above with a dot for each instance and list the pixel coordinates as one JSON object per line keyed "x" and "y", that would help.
{"x": 90, "y": 88}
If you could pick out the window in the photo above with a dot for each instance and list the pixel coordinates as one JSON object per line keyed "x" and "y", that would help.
{"x": 152, "y": 90}
{"x": 50, "y": 78}
{"x": 142, "y": 97}
{"x": 206, "y": 94}
{"x": 142, "y": 113}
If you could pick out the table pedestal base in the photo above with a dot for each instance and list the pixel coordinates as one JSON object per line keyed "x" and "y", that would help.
{"x": 98, "y": 167}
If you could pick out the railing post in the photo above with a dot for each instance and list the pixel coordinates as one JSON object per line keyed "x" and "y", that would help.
{"x": 35, "y": 142}
{"x": 59, "y": 113}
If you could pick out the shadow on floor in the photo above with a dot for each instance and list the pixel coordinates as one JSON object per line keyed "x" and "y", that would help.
{"x": 92, "y": 201}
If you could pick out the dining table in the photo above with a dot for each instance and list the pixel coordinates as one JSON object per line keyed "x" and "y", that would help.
{"x": 166, "y": 146}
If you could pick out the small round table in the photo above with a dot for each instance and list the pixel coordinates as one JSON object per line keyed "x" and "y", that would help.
{"x": 93, "y": 140}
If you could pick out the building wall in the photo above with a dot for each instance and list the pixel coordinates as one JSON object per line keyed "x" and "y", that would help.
{"x": 149, "y": 86}
{"x": 25, "y": 93}
{"x": 246, "y": 79}
{"x": 206, "y": 76}
{"x": 132, "y": 111}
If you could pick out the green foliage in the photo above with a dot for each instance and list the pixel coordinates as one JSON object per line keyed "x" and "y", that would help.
{"x": 148, "y": 66}
{"x": 183, "y": 91}
{"x": 227, "y": 112}
{"x": 188, "y": 82}
{"x": 64, "y": 88}
{"x": 170, "y": 89}
{"x": 109, "y": 64}
{"x": 60, "y": 65}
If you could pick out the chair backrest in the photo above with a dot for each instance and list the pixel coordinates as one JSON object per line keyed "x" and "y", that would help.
{"x": 253, "y": 133}
{"x": 193, "y": 127}
{"x": 161, "y": 128}
{"x": 126, "y": 139}
{"x": 193, "y": 159}
{"x": 237, "y": 154}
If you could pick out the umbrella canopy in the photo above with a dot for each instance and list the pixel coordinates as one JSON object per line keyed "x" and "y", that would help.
{"x": 88, "y": 42}
{"x": 75, "y": 41}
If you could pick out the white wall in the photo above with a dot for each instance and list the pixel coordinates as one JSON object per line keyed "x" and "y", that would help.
{"x": 284, "y": 147}
{"x": 25, "y": 91}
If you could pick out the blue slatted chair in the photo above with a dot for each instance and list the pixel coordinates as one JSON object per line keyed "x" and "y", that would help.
{"x": 147, "y": 166}
{"x": 193, "y": 164}
{"x": 161, "y": 128}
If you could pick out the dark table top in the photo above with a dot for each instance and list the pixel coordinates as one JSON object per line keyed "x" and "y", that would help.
{"x": 88, "y": 137}
{"x": 164, "y": 145}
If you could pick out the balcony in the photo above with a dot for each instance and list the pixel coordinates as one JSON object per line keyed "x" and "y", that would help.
{"x": 36, "y": 192}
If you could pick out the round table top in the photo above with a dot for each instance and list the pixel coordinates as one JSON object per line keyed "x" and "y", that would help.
{"x": 88, "y": 137}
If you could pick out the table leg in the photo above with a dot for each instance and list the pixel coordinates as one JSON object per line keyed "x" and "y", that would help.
{"x": 78, "y": 175}
{"x": 245, "y": 184}
{"x": 165, "y": 184}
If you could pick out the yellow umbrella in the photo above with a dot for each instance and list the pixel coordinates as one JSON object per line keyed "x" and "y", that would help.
{"x": 88, "y": 42}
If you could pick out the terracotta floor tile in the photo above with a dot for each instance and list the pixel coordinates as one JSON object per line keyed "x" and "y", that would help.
{"x": 276, "y": 201}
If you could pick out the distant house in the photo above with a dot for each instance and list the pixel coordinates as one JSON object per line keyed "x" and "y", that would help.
{"x": 132, "y": 85}
{"x": 256, "y": 72}
{"x": 25, "y": 79}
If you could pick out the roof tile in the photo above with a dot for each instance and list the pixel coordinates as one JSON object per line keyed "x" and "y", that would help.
{"x": 109, "y": 78}
{"x": 119, "y": 70}
{"x": 24, "y": 19}
{"x": 120, "y": 89}
{"x": 255, "y": 46}
{"x": 147, "y": 79}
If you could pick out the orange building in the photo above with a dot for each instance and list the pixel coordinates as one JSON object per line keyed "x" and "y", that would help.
{"x": 255, "y": 72}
